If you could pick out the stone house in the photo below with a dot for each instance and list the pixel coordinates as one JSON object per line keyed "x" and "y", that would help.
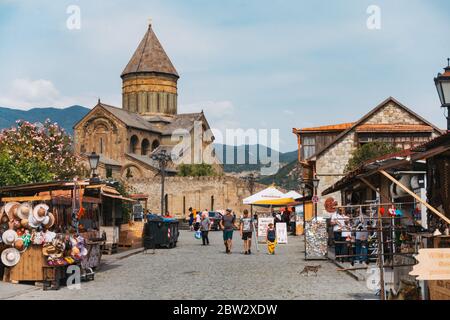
{"x": 325, "y": 151}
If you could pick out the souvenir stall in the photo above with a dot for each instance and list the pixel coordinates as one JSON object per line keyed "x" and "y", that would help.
{"x": 384, "y": 208}
{"x": 47, "y": 227}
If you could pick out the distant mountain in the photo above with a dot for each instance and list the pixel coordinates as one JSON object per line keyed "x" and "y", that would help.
{"x": 248, "y": 157}
{"x": 66, "y": 118}
{"x": 287, "y": 177}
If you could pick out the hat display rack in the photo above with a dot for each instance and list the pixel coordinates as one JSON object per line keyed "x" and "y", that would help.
{"x": 32, "y": 223}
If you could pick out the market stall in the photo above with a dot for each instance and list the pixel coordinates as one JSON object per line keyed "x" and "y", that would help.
{"x": 45, "y": 228}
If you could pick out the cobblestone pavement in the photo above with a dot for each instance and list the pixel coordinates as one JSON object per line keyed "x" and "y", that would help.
{"x": 191, "y": 271}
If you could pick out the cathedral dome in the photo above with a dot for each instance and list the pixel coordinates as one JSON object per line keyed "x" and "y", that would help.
{"x": 150, "y": 80}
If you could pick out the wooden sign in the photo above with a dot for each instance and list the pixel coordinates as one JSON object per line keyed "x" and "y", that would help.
{"x": 434, "y": 264}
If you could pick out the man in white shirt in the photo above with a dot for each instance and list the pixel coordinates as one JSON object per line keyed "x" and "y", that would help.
{"x": 338, "y": 223}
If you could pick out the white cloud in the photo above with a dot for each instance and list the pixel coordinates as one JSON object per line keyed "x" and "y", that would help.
{"x": 26, "y": 93}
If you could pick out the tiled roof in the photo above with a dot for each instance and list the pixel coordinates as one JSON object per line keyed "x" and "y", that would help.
{"x": 182, "y": 121}
{"x": 131, "y": 119}
{"x": 150, "y": 57}
{"x": 394, "y": 128}
{"x": 333, "y": 127}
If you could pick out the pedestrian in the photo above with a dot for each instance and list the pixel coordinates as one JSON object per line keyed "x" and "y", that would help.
{"x": 337, "y": 221}
{"x": 191, "y": 219}
{"x": 246, "y": 228}
{"x": 271, "y": 239}
{"x": 204, "y": 228}
{"x": 361, "y": 237}
{"x": 227, "y": 225}
{"x": 198, "y": 219}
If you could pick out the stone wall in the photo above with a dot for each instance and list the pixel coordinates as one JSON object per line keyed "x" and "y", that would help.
{"x": 393, "y": 114}
{"x": 202, "y": 193}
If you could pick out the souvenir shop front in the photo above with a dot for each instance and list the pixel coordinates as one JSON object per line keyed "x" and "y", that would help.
{"x": 382, "y": 223}
{"x": 47, "y": 227}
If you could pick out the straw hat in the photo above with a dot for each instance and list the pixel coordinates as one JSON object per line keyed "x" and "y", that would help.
{"x": 11, "y": 209}
{"x": 23, "y": 212}
{"x": 19, "y": 244}
{"x": 40, "y": 211}
{"x": 4, "y": 218}
{"x": 24, "y": 223}
{"x": 10, "y": 257}
{"x": 33, "y": 223}
{"x": 51, "y": 221}
{"x": 48, "y": 249}
{"x": 9, "y": 237}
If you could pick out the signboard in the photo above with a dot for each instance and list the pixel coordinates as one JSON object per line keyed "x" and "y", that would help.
{"x": 263, "y": 224}
{"x": 282, "y": 233}
{"x": 434, "y": 264}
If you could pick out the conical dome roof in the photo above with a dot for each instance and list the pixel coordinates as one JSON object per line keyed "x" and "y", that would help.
{"x": 150, "y": 57}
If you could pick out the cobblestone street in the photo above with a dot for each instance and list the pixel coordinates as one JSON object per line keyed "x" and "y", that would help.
{"x": 192, "y": 271}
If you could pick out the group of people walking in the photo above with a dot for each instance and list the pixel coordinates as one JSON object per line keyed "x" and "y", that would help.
{"x": 201, "y": 222}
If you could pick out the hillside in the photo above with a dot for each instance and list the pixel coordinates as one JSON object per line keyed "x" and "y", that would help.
{"x": 287, "y": 177}
{"x": 66, "y": 118}
{"x": 250, "y": 157}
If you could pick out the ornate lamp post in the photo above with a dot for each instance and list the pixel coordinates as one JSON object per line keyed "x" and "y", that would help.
{"x": 163, "y": 159}
{"x": 442, "y": 82}
{"x": 315, "y": 183}
{"x": 93, "y": 159}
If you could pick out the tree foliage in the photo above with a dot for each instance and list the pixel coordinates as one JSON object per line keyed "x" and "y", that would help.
{"x": 32, "y": 153}
{"x": 369, "y": 151}
{"x": 196, "y": 170}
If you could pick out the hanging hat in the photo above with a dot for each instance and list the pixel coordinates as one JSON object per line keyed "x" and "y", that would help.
{"x": 19, "y": 244}
{"x": 9, "y": 237}
{"x": 51, "y": 221}
{"x": 4, "y": 218}
{"x": 33, "y": 223}
{"x": 11, "y": 209}
{"x": 40, "y": 211}
{"x": 24, "y": 223}
{"x": 24, "y": 211}
{"x": 10, "y": 257}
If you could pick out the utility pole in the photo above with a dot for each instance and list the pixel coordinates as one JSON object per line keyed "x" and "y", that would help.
{"x": 162, "y": 158}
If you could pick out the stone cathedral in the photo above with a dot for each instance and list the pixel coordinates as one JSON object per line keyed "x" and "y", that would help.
{"x": 126, "y": 137}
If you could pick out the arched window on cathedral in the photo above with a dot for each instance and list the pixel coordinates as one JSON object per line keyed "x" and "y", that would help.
{"x": 155, "y": 145}
{"x": 133, "y": 144}
{"x": 145, "y": 147}
{"x": 101, "y": 145}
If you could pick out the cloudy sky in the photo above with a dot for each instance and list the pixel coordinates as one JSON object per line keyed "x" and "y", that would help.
{"x": 247, "y": 63}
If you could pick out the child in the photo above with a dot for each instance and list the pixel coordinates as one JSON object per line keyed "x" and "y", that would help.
{"x": 271, "y": 239}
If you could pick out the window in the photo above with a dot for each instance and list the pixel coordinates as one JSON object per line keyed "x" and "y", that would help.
{"x": 133, "y": 144}
{"x": 145, "y": 147}
{"x": 309, "y": 147}
{"x": 101, "y": 145}
{"x": 108, "y": 172}
{"x": 155, "y": 145}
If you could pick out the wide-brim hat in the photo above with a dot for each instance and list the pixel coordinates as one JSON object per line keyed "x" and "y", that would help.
{"x": 24, "y": 211}
{"x": 49, "y": 249}
{"x": 51, "y": 222}
{"x": 9, "y": 237}
{"x": 33, "y": 223}
{"x": 10, "y": 257}
{"x": 10, "y": 207}
{"x": 36, "y": 210}
{"x": 19, "y": 244}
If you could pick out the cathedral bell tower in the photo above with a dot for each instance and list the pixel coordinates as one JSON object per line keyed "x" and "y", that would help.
{"x": 149, "y": 81}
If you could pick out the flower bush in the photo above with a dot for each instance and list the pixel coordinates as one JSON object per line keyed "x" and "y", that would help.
{"x": 32, "y": 153}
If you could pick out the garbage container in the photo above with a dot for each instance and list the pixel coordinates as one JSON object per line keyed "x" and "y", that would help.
{"x": 160, "y": 232}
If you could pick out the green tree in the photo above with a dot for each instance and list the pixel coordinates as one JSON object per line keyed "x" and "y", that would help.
{"x": 369, "y": 151}
{"x": 196, "y": 170}
{"x": 30, "y": 153}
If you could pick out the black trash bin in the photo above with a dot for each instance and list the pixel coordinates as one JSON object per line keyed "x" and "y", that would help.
{"x": 159, "y": 232}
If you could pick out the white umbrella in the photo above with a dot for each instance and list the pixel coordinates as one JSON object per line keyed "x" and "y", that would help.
{"x": 268, "y": 197}
{"x": 293, "y": 194}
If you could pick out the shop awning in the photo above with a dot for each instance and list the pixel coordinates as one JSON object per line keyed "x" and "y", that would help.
{"x": 113, "y": 193}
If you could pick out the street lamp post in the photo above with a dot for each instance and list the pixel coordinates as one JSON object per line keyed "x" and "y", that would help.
{"x": 315, "y": 182}
{"x": 93, "y": 159}
{"x": 162, "y": 158}
{"x": 442, "y": 82}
